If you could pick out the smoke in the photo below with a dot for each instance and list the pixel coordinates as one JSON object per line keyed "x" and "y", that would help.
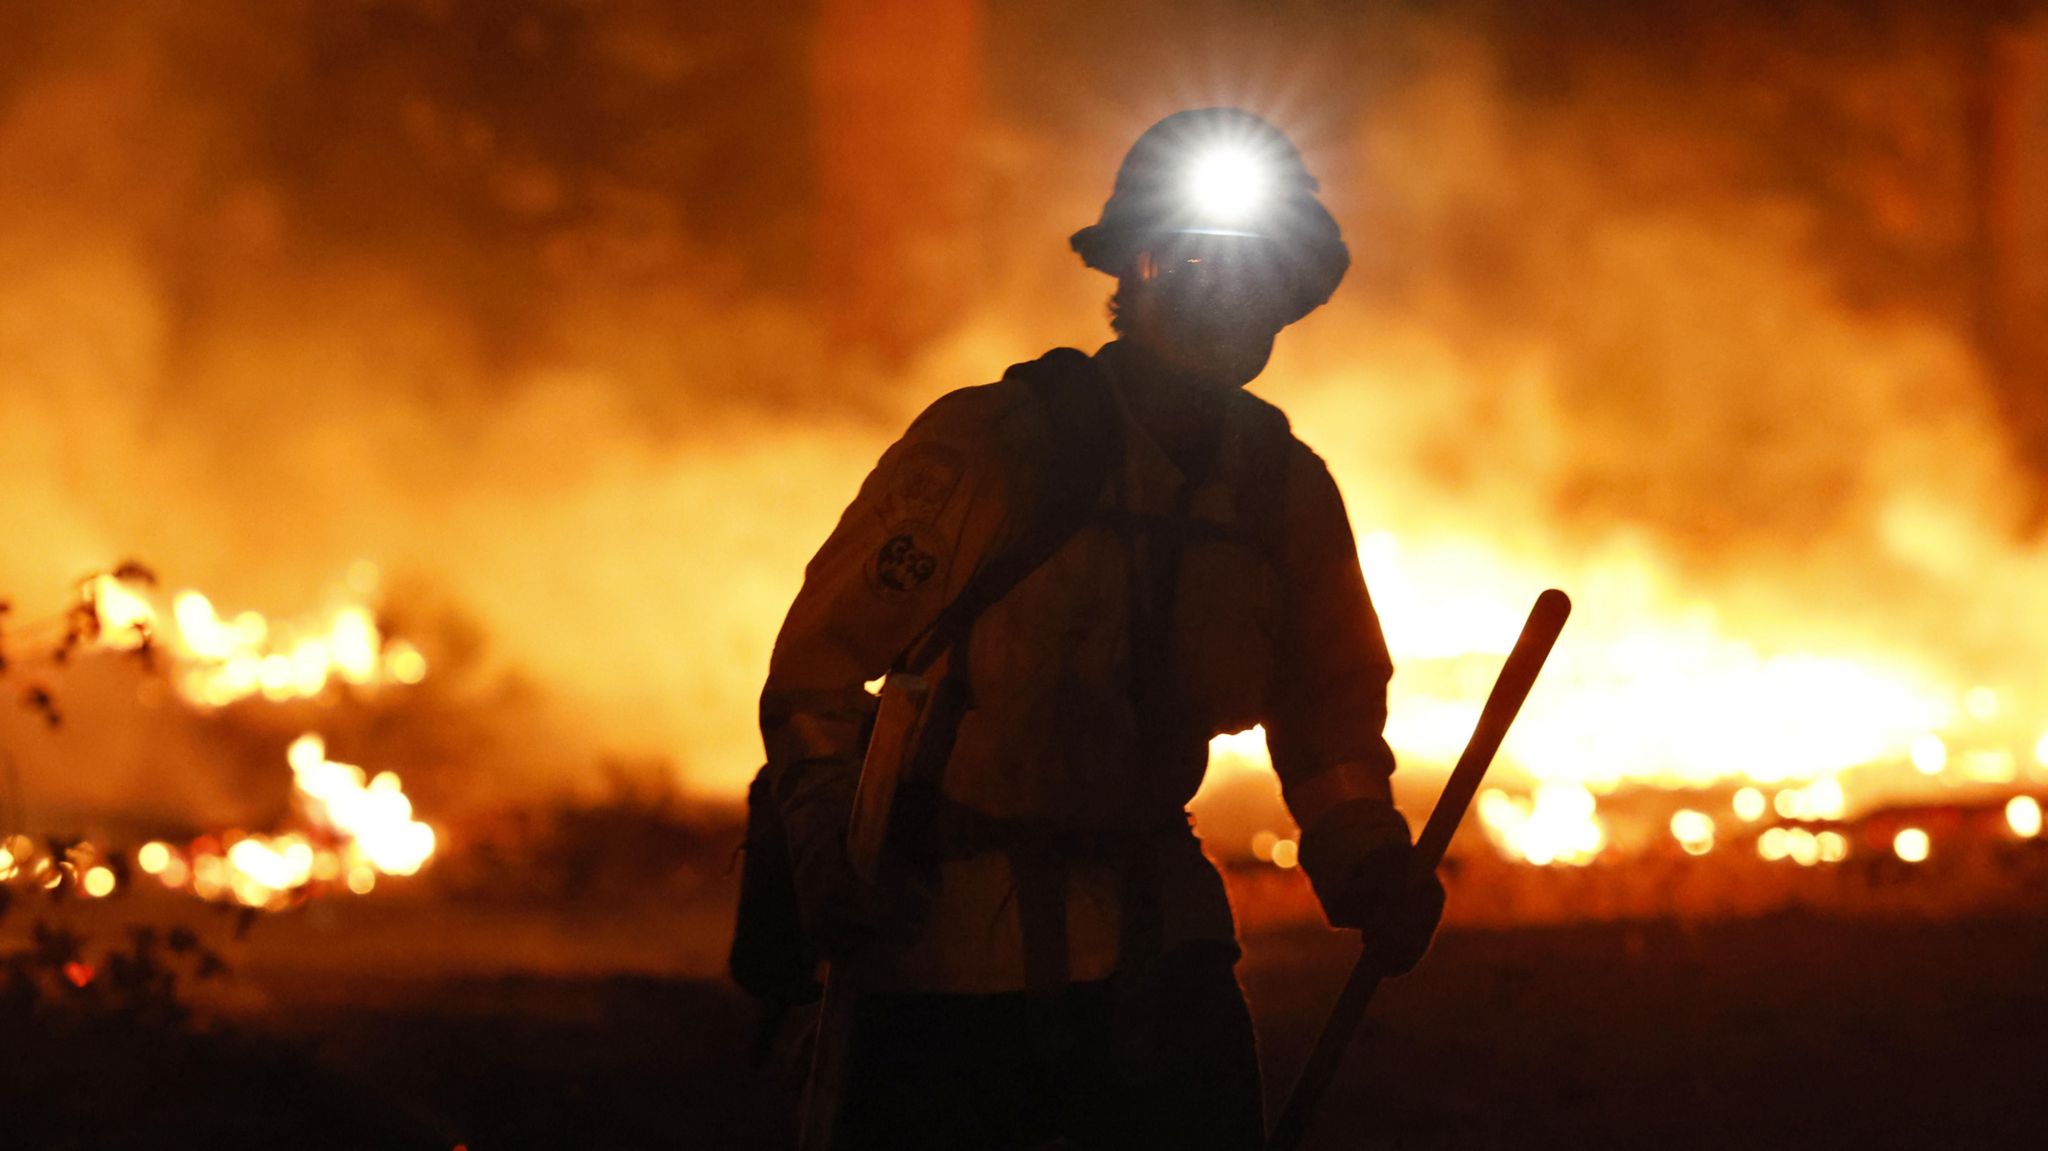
{"x": 280, "y": 296}
{"x": 1613, "y": 327}
{"x": 519, "y": 305}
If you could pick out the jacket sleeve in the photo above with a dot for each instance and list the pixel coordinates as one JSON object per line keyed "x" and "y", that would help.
{"x": 921, "y": 523}
{"x": 1327, "y": 719}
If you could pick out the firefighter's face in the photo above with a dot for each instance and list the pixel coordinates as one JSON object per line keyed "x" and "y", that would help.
{"x": 1211, "y": 305}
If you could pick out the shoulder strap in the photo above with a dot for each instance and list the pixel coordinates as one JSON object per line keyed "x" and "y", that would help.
{"x": 1083, "y": 440}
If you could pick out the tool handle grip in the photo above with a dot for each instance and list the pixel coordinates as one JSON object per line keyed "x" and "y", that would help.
{"x": 1517, "y": 676}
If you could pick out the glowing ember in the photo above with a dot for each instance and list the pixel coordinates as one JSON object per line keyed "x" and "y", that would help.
{"x": 1772, "y": 844}
{"x": 273, "y": 865}
{"x": 1833, "y": 845}
{"x": 1694, "y": 831}
{"x": 1911, "y": 844}
{"x": 1749, "y": 805}
{"x": 1802, "y": 846}
{"x": 209, "y": 874}
{"x": 2023, "y": 815}
{"x": 176, "y": 873}
{"x": 98, "y": 883}
{"x": 1557, "y": 825}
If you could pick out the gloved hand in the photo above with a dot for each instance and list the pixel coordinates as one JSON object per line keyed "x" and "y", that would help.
{"x": 1396, "y": 906}
{"x": 843, "y": 914}
{"x": 839, "y": 912}
{"x": 1359, "y": 859}
{"x": 836, "y": 909}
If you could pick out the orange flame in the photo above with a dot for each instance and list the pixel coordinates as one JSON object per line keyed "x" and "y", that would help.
{"x": 358, "y": 830}
{"x": 220, "y": 661}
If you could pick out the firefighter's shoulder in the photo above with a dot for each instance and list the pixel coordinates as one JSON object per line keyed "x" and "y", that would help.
{"x": 1302, "y": 466}
{"x": 973, "y": 438}
{"x": 1313, "y": 497}
{"x": 1270, "y": 423}
{"x": 974, "y": 416}
{"x": 1004, "y": 423}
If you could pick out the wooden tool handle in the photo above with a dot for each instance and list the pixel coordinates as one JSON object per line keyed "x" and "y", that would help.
{"x": 1517, "y": 676}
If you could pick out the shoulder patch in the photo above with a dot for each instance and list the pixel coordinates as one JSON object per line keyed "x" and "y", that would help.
{"x": 924, "y": 480}
{"x": 909, "y": 559}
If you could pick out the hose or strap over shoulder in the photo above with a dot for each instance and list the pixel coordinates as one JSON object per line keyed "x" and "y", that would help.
{"x": 1082, "y": 418}
{"x": 1083, "y": 423}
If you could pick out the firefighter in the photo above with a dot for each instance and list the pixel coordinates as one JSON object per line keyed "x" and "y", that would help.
{"x": 1059, "y": 971}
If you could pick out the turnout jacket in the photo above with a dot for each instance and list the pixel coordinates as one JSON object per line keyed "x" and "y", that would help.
{"x": 1266, "y": 620}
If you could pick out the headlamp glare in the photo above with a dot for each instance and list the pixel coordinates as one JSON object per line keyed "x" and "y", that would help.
{"x": 1227, "y": 184}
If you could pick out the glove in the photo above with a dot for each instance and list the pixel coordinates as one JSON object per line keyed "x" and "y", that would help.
{"x": 844, "y": 915}
{"x": 1363, "y": 867}
{"x": 838, "y": 910}
{"x": 841, "y": 913}
{"x": 1398, "y": 907}
{"x": 835, "y": 908}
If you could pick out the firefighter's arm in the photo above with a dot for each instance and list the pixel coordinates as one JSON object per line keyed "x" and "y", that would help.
{"x": 1327, "y": 731}
{"x": 921, "y": 521}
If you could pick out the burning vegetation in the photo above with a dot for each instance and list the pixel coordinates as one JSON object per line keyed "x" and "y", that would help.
{"x": 357, "y": 831}
{"x": 582, "y": 322}
{"x": 1613, "y": 326}
{"x": 348, "y": 827}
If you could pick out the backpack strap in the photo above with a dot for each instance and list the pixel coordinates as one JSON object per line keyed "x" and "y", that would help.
{"x": 1083, "y": 444}
{"x": 1083, "y": 441}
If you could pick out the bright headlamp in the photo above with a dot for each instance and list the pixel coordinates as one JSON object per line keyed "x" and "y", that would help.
{"x": 1223, "y": 194}
{"x": 1227, "y": 184}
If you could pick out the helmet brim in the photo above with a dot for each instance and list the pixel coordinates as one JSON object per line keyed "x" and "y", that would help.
{"x": 1307, "y": 240}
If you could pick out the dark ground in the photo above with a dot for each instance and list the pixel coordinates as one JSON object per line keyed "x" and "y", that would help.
{"x": 1796, "y": 1031}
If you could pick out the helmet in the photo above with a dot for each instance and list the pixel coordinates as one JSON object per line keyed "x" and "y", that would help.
{"x": 1219, "y": 172}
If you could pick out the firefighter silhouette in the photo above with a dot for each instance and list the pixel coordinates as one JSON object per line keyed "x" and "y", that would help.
{"x": 1127, "y": 554}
